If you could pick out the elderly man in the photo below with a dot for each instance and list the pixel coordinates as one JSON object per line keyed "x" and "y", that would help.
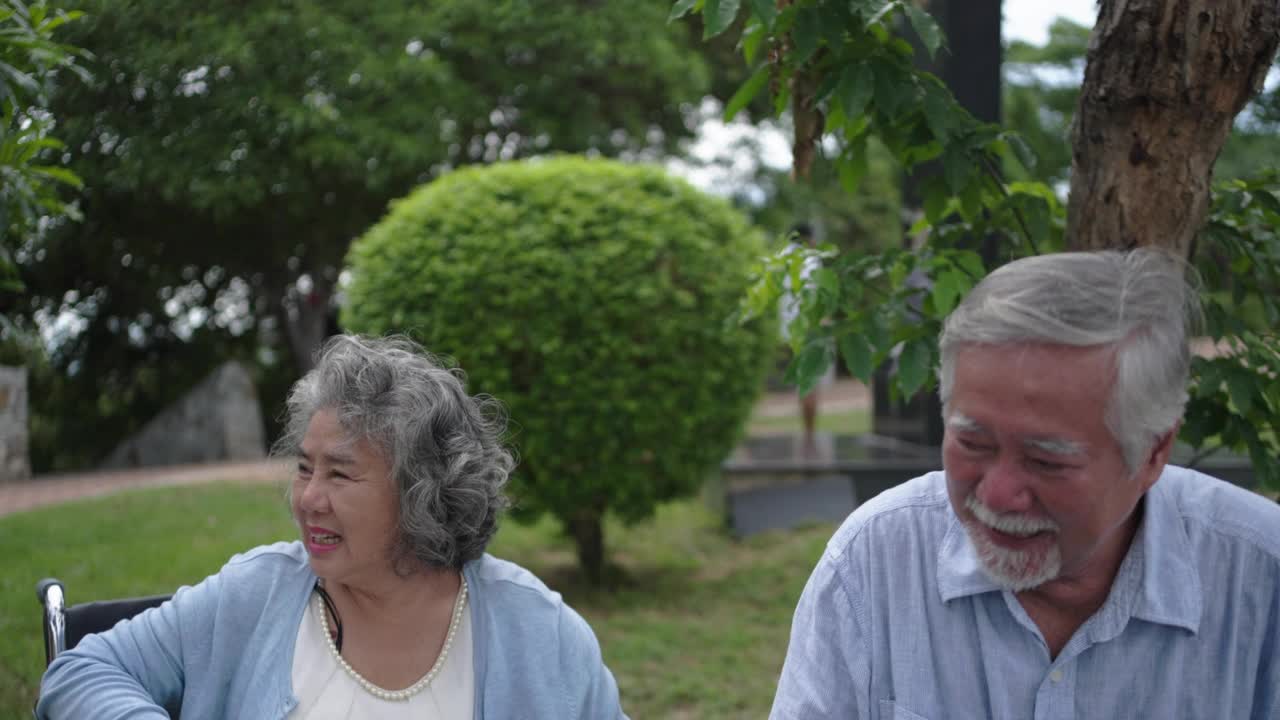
{"x": 1056, "y": 568}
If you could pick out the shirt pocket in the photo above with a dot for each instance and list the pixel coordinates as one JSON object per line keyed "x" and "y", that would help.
{"x": 889, "y": 710}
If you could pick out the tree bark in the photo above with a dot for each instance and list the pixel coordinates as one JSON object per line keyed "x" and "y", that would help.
{"x": 587, "y": 528}
{"x": 1165, "y": 79}
{"x": 306, "y": 320}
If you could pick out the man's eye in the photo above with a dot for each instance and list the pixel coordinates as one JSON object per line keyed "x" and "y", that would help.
{"x": 303, "y": 469}
{"x": 1047, "y": 466}
{"x": 972, "y": 446}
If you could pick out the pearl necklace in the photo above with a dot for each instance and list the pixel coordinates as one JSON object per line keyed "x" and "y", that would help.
{"x": 425, "y": 680}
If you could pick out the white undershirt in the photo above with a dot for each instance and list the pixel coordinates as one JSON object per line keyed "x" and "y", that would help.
{"x": 326, "y": 692}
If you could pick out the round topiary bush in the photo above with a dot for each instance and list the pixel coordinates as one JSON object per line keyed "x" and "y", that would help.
{"x": 595, "y": 299}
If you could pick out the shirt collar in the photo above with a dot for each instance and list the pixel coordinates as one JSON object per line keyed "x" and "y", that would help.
{"x": 1159, "y": 563}
{"x": 1170, "y": 591}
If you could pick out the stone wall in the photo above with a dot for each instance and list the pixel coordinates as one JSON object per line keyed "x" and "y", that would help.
{"x": 15, "y": 463}
{"x": 219, "y": 420}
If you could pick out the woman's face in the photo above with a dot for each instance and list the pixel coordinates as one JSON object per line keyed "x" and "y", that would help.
{"x": 345, "y": 504}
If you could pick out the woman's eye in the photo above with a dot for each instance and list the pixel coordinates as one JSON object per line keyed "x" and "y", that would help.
{"x": 303, "y": 469}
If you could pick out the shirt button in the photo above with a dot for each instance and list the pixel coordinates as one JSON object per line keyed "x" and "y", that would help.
{"x": 1056, "y": 676}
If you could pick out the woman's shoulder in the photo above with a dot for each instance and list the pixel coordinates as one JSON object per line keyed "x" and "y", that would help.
{"x": 531, "y": 633}
{"x": 504, "y": 582}
{"x": 278, "y": 555}
{"x": 266, "y": 569}
{"x": 510, "y": 594}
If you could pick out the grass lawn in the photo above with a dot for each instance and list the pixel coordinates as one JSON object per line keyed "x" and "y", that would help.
{"x": 696, "y": 626}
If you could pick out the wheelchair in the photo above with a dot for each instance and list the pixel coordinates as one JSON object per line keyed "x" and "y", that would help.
{"x": 64, "y": 627}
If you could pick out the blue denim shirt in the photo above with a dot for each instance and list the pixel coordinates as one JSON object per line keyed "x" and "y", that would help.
{"x": 899, "y": 621}
{"x": 224, "y": 649}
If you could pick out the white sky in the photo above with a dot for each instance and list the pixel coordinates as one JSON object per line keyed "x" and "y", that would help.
{"x": 1029, "y": 20}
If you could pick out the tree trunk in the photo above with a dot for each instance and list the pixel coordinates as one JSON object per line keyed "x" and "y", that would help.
{"x": 306, "y": 321}
{"x": 1163, "y": 83}
{"x": 587, "y": 528}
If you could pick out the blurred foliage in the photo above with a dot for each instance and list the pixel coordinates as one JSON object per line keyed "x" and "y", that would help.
{"x": 593, "y": 298}
{"x": 1235, "y": 396}
{"x": 887, "y": 307}
{"x": 868, "y": 220}
{"x": 30, "y": 60}
{"x": 1042, "y": 89}
{"x": 848, "y": 79}
{"x": 230, "y": 152}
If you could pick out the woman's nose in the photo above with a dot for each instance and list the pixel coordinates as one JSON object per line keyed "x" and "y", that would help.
{"x": 314, "y": 497}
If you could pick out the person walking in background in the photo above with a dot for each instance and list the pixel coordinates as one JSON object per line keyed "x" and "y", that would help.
{"x": 1056, "y": 567}
{"x": 802, "y": 237}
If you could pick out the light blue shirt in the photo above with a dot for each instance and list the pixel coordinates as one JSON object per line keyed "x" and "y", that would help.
{"x": 899, "y": 621}
{"x": 224, "y": 649}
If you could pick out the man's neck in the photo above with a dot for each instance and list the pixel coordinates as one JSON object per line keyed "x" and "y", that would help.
{"x": 1060, "y": 606}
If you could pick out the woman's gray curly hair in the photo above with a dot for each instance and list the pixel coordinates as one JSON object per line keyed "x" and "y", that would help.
{"x": 445, "y": 448}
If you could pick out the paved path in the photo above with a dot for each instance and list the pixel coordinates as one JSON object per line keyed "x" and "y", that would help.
{"x": 53, "y": 489}
{"x": 841, "y": 396}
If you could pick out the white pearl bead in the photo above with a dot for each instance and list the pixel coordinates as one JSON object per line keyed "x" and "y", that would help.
{"x": 458, "y": 605}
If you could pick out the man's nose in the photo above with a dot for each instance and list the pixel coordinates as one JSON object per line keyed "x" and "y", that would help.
{"x": 1005, "y": 487}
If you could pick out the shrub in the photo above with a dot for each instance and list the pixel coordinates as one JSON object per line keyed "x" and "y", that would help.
{"x": 596, "y": 299}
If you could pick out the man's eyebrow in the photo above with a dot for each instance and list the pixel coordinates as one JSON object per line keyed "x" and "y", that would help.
{"x": 1056, "y": 446}
{"x": 964, "y": 423}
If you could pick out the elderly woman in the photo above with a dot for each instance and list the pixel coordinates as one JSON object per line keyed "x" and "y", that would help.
{"x": 387, "y": 607}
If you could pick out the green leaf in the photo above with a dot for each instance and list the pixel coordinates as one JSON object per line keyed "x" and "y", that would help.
{"x": 751, "y": 39}
{"x": 935, "y": 199}
{"x": 956, "y": 169}
{"x": 747, "y": 92}
{"x": 852, "y": 167}
{"x": 939, "y": 109}
{"x": 1035, "y": 213}
{"x": 1241, "y": 387}
{"x": 680, "y": 9}
{"x": 925, "y": 27}
{"x": 1268, "y": 201}
{"x": 857, "y": 84}
{"x": 60, "y": 174}
{"x": 893, "y": 88}
{"x": 947, "y": 289}
{"x": 971, "y": 263}
{"x": 913, "y": 366}
{"x": 884, "y": 11}
{"x": 805, "y": 35}
{"x": 857, "y": 355}
{"x": 827, "y": 281}
{"x": 1022, "y": 151}
{"x": 766, "y": 10}
{"x": 718, "y": 15}
{"x": 809, "y": 366}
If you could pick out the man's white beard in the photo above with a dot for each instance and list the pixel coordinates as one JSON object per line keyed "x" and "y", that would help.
{"x": 1014, "y": 570}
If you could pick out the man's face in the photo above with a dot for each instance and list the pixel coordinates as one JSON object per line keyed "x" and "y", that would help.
{"x": 1032, "y": 470}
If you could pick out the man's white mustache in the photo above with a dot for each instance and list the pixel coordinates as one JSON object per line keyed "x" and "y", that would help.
{"x": 1011, "y": 523}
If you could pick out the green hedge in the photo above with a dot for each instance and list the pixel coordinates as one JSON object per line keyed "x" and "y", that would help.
{"x": 595, "y": 299}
